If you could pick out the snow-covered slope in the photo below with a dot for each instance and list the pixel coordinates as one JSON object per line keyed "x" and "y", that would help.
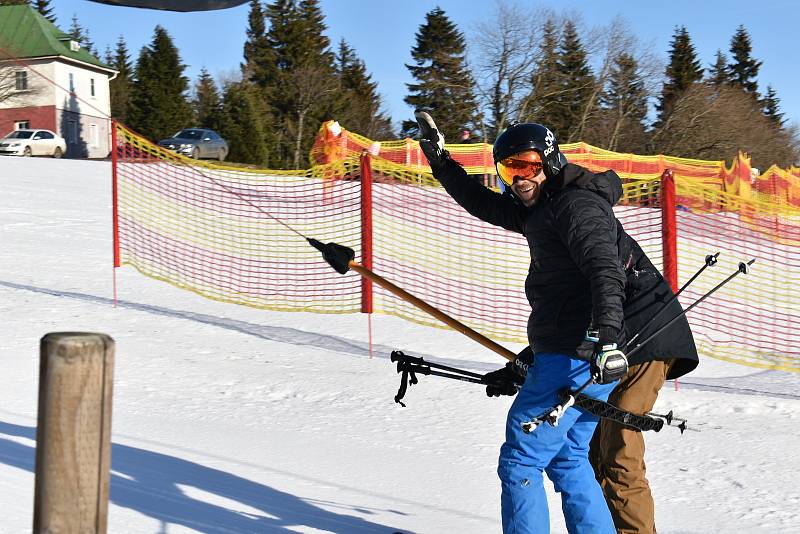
{"x": 229, "y": 419}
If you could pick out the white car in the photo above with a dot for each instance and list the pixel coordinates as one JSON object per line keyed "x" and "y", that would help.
{"x": 33, "y": 143}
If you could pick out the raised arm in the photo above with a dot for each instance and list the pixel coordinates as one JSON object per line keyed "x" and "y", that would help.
{"x": 474, "y": 197}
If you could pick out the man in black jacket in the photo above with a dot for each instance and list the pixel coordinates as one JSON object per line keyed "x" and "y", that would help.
{"x": 584, "y": 267}
{"x": 575, "y": 286}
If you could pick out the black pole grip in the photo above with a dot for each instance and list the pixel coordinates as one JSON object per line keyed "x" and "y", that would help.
{"x": 338, "y": 256}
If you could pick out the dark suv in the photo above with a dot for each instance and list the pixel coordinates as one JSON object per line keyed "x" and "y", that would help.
{"x": 197, "y": 143}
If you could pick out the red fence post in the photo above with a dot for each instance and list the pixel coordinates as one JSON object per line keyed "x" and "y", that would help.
{"x": 366, "y": 230}
{"x": 669, "y": 229}
{"x": 114, "y": 204}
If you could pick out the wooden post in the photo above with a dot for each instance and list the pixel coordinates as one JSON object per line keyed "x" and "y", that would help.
{"x": 73, "y": 435}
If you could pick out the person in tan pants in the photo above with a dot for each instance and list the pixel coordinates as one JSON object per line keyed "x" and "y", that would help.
{"x": 616, "y": 451}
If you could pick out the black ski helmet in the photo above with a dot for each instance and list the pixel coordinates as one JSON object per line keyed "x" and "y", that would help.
{"x": 520, "y": 137}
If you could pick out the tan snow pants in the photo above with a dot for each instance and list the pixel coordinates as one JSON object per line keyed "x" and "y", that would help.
{"x": 617, "y": 452}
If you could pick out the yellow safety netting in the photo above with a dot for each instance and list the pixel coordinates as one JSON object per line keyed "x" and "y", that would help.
{"x": 213, "y": 229}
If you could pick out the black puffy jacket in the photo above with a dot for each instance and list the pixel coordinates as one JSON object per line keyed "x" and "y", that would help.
{"x": 583, "y": 265}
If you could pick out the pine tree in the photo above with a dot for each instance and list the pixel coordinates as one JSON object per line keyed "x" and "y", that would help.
{"x": 771, "y": 106}
{"x": 240, "y": 124}
{"x": 81, "y": 35}
{"x": 359, "y": 107}
{"x": 207, "y": 104}
{"x": 743, "y": 69}
{"x": 158, "y": 98}
{"x": 120, "y": 86}
{"x": 444, "y": 83}
{"x": 626, "y": 103}
{"x": 259, "y": 66}
{"x": 77, "y": 32}
{"x": 14, "y": 2}
{"x": 301, "y": 91}
{"x": 543, "y": 101}
{"x": 576, "y": 84}
{"x": 44, "y": 9}
{"x": 683, "y": 70}
{"x": 317, "y": 44}
{"x": 718, "y": 73}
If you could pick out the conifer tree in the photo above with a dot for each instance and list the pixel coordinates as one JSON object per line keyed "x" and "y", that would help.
{"x": 259, "y": 60}
{"x": 771, "y": 106}
{"x": 682, "y": 71}
{"x": 626, "y": 103}
{"x": 444, "y": 83}
{"x": 45, "y": 9}
{"x": 743, "y": 69}
{"x": 301, "y": 91}
{"x": 312, "y": 21}
{"x": 718, "y": 73}
{"x": 14, "y": 2}
{"x": 359, "y": 107}
{"x": 158, "y": 98}
{"x": 576, "y": 83}
{"x": 240, "y": 125}
{"x": 207, "y": 104}
{"x": 81, "y": 35}
{"x": 120, "y": 86}
{"x": 543, "y": 101}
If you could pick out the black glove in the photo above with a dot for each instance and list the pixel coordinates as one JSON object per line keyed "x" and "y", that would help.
{"x": 431, "y": 141}
{"x": 508, "y": 379}
{"x": 608, "y": 363}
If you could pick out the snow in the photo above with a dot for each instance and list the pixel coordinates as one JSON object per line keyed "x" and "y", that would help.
{"x": 230, "y": 419}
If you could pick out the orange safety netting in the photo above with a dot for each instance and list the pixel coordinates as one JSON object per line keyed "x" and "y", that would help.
{"x": 221, "y": 231}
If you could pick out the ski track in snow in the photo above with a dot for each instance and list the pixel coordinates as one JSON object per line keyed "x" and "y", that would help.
{"x": 229, "y": 419}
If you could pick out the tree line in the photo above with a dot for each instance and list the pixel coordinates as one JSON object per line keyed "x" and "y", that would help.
{"x": 597, "y": 85}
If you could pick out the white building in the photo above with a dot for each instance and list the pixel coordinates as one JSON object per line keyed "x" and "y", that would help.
{"x": 49, "y": 81}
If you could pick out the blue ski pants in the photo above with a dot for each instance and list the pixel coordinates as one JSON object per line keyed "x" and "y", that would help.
{"x": 562, "y": 452}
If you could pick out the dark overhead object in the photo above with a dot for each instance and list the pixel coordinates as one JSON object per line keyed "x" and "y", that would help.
{"x": 175, "y": 5}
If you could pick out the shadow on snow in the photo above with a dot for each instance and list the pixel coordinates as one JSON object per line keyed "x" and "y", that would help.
{"x": 158, "y": 486}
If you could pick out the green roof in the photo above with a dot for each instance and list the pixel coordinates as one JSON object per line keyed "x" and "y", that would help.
{"x": 25, "y": 34}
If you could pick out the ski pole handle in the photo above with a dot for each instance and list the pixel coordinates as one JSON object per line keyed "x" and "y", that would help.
{"x": 743, "y": 268}
{"x": 710, "y": 260}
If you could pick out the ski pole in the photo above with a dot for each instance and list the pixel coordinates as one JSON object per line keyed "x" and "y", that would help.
{"x": 408, "y": 366}
{"x": 419, "y": 365}
{"x": 552, "y": 415}
{"x": 743, "y": 268}
{"x": 711, "y": 259}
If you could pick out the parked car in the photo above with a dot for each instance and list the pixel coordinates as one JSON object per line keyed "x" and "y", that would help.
{"x": 28, "y": 142}
{"x": 197, "y": 143}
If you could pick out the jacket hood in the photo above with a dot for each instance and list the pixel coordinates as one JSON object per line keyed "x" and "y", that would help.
{"x": 606, "y": 184}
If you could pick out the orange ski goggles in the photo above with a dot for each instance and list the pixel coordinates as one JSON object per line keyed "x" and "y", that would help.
{"x": 526, "y": 165}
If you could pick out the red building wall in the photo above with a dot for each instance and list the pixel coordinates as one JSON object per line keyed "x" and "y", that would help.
{"x": 39, "y": 116}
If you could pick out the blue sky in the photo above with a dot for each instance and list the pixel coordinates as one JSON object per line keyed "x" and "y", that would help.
{"x": 382, "y": 33}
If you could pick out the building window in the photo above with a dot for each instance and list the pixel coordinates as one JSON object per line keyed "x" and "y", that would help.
{"x": 94, "y": 136}
{"x": 22, "y": 125}
{"x": 91, "y": 86}
{"x": 21, "y": 80}
{"x": 71, "y": 83}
